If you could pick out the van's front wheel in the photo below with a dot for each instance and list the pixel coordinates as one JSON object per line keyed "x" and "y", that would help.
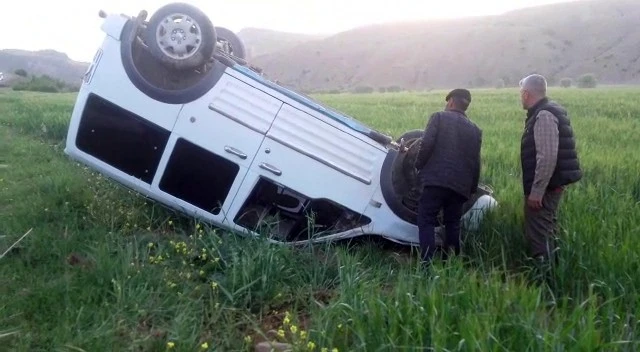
{"x": 400, "y": 184}
{"x": 231, "y": 43}
{"x": 399, "y": 180}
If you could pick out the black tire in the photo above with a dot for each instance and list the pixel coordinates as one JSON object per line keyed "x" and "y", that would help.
{"x": 398, "y": 179}
{"x": 199, "y": 55}
{"x": 403, "y": 174}
{"x": 237, "y": 46}
{"x": 400, "y": 184}
{"x": 160, "y": 82}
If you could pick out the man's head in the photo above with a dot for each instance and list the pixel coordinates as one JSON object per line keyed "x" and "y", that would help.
{"x": 458, "y": 99}
{"x": 532, "y": 89}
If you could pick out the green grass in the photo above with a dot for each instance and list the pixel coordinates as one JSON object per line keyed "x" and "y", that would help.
{"x": 105, "y": 269}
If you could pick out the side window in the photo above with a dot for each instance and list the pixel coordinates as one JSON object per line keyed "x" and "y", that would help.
{"x": 198, "y": 176}
{"x": 121, "y": 138}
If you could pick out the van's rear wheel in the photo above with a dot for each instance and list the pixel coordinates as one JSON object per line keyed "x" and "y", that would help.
{"x": 181, "y": 36}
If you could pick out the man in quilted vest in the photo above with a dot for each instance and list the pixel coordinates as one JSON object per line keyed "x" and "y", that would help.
{"x": 549, "y": 163}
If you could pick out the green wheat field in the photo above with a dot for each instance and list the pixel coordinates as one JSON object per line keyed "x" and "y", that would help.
{"x": 103, "y": 269}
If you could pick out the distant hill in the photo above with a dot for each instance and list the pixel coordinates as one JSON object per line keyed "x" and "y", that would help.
{"x": 260, "y": 41}
{"x": 560, "y": 40}
{"x": 59, "y": 66}
{"x": 43, "y": 62}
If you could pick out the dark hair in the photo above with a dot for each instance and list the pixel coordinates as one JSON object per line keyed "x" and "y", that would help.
{"x": 460, "y": 103}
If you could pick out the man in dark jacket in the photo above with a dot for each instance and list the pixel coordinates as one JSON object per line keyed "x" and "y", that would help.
{"x": 549, "y": 162}
{"x": 448, "y": 165}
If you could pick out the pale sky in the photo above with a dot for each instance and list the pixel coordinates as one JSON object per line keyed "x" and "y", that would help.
{"x": 73, "y": 26}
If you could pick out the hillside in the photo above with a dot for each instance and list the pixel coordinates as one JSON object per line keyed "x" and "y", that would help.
{"x": 59, "y": 66}
{"x": 259, "y": 41}
{"x": 42, "y": 62}
{"x": 562, "y": 40}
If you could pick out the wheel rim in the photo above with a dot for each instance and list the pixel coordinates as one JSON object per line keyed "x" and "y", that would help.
{"x": 179, "y": 36}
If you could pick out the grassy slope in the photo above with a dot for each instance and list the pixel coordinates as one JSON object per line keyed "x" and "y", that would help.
{"x": 557, "y": 40}
{"x": 105, "y": 269}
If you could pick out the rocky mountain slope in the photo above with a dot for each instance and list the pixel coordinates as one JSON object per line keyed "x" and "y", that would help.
{"x": 561, "y": 40}
{"x": 43, "y": 62}
{"x": 259, "y": 41}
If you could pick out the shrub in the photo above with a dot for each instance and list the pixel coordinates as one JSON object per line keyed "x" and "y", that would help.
{"x": 363, "y": 89}
{"x": 566, "y": 82}
{"x": 587, "y": 80}
{"x": 45, "y": 84}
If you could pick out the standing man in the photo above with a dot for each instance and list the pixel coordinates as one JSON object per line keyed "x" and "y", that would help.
{"x": 549, "y": 163}
{"x": 448, "y": 165}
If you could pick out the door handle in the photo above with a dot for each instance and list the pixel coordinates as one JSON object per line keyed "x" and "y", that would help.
{"x": 235, "y": 152}
{"x": 271, "y": 169}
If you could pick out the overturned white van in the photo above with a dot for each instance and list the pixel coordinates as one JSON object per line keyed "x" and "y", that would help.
{"x": 169, "y": 107}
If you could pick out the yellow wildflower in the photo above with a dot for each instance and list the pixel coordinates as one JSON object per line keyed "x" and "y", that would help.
{"x": 311, "y": 345}
{"x": 281, "y": 333}
{"x": 204, "y": 346}
{"x": 247, "y": 339}
{"x": 170, "y": 344}
{"x": 293, "y": 328}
